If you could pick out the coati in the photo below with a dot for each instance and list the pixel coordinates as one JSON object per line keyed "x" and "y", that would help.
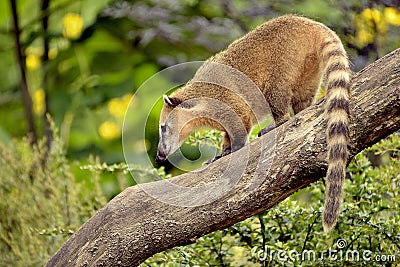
{"x": 287, "y": 58}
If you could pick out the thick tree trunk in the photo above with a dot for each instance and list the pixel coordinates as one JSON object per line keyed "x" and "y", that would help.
{"x": 134, "y": 225}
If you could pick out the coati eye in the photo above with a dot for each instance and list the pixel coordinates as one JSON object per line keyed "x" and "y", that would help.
{"x": 163, "y": 127}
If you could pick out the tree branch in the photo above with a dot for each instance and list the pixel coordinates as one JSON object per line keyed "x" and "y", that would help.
{"x": 45, "y": 66}
{"x": 26, "y": 98}
{"x": 134, "y": 226}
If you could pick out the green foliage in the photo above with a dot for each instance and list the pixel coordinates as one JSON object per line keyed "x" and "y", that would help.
{"x": 211, "y": 137}
{"x": 368, "y": 228}
{"x": 42, "y": 204}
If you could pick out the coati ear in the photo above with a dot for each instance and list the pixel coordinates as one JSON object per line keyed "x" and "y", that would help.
{"x": 171, "y": 101}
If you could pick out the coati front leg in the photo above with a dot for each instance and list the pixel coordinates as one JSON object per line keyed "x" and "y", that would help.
{"x": 230, "y": 145}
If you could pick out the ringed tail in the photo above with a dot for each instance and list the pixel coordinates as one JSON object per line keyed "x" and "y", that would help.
{"x": 337, "y": 133}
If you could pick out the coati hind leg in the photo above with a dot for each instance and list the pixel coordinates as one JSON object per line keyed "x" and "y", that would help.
{"x": 300, "y": 105}
{"x": 299, "y": 97}
{"x": 297, "y": 106}
{"x": 279, "y": 105}
{"x": 307, "y": 85}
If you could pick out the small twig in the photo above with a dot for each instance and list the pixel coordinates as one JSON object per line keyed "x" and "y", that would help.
{"x": 218, "y": 252}
{"x": 55, "y": 8}
{"x": 310, "y": 226}
{"x": 45, "y": 66}
{"x": 264, "y": 239}
{"x": 352, "y": 241}
{"x": 280, "y": 226}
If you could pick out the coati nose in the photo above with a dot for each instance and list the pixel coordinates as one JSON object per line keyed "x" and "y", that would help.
{"x": 160, "y": 158}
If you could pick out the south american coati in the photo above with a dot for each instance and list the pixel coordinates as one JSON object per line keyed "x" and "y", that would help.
{"x": 287, "y": 58}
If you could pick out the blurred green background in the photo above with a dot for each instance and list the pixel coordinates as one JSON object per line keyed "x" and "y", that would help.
{"x": 83, "y": 61}
{"x": 101, "y": 51}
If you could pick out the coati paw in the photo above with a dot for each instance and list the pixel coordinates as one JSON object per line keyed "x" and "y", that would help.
{"x": 226, "y": 151}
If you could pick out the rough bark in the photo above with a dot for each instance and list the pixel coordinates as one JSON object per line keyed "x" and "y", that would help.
{"x": 134, "y": 226}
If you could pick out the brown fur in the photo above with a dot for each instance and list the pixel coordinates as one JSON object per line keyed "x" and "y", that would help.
{"x": 287, "y": 58}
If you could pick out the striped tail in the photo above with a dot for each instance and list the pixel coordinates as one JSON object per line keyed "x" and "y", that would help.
{"x": 337, "y": 111}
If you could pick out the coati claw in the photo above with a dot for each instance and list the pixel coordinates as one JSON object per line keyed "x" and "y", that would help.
{"x": 226, "y": 151}
{"x": 266, "y": 130}
{"x": 271, "y": 127}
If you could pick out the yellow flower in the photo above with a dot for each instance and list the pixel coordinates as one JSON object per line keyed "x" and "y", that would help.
{"x": 372, "y": 14}
{"x": 364, "y": 37}
{"x": 109, "y": 130}
{"x": 373, "y": 19}
{"x": 32, "y": 62}
{"x": 127, "y": 99}
{"x": 392, "y": 16}
{"x": 38, "y": 102}
{"x": 34, "y": 55}
{"x": 370, "y": 24}
{"x": 53, "y": 52}
{"x": 118, "y": 106}
{"x": 72, "y": 25}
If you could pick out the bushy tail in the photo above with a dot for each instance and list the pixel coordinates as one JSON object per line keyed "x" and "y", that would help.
{"x": 337, "y": 111}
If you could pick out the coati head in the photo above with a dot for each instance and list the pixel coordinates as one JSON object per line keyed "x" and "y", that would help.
{"x": 177, "y": 120}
